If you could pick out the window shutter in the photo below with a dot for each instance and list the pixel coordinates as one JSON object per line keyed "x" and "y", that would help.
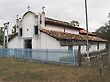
{"x": 36, "y": 29}
{"x": 20, "y": 31}
{"x": 98, "y": 46}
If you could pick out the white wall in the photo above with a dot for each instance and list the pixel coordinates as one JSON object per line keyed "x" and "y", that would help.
{"x": 75, "y": 47}
{"x": 83, "y": 49}
{"x": 93, "y": 48}
{"x": 16, "y": 42}
{"x": 44, "y": 41}
{"x": 48, "y": 42}
{"x": 56, "y": 28}
{"x": 28, "y": 22}
{"x": 102, "y": 46}
{"x": 59, "y": 28}
{"x": 36, "y": 42}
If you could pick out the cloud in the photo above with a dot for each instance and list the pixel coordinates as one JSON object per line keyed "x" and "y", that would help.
{"x": 59, "y": 9}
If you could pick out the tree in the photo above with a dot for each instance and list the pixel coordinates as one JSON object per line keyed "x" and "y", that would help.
{"x": 104, "y": 31}
{"x": 75, "y": 23}
{"x": 1, "y": 37}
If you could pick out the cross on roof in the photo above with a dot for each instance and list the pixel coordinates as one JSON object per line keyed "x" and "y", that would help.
{"x": 28, "y": 7}
{"x": 43, "y": 9}
{"x": 17, "y": 16}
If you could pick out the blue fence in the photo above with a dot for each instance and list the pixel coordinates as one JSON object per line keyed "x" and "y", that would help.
{"x": 56, "y": 56}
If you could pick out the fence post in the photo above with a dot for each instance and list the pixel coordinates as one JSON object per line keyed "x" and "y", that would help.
{"x": 14, "y": 53}
{"x": 29, "y": 54}
{"x": 73, "y": 53}
{"x": 6, "y": 52}
{"x": 47, "y": 54}
{"x": 79, "y": 55}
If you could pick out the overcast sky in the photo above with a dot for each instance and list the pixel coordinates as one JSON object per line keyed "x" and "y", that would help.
{"x": 66, "y": 10}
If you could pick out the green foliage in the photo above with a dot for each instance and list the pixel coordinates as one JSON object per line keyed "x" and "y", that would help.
{"x": 1, "y": 37}
{"x": 104, "y": 31}
{"x": 75, "y": 23}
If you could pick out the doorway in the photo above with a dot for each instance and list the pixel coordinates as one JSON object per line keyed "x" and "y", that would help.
{"x": 28, "y": 43}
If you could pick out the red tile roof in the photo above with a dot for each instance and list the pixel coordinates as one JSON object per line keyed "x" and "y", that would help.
{"x": 68, "y": 36}
{"x": 12, "y": 36}
{"x": 60, "y": 23}
{"x": 84, "y": 32}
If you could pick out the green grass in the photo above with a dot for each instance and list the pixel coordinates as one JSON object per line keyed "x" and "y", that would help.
{"x": 12, "y": 70}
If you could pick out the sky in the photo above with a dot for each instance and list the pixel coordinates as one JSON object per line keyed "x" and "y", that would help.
{"x": 66, "y": 10}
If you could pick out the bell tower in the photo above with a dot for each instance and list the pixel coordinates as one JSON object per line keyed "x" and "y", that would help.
{"x": 43, "y": 17}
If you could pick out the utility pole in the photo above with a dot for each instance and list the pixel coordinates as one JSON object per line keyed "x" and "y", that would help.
{"x": 7, "y": 33}
{"x": 86, "y": 13}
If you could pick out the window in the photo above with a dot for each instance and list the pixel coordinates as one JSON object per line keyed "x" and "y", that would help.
{"x": 36, "y": 29}
{"x": 20, "y": 31}
{"x": 28, "y": 43}
{"x": 98, "y": 46}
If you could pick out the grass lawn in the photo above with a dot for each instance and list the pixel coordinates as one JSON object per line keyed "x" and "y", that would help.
{"x": 12, "y": 70}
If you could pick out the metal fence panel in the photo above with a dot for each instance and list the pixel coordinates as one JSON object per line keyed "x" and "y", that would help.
{"x": 48, "y": 55}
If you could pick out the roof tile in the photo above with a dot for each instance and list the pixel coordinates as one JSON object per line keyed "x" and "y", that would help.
{"x": 69, "y": 36}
